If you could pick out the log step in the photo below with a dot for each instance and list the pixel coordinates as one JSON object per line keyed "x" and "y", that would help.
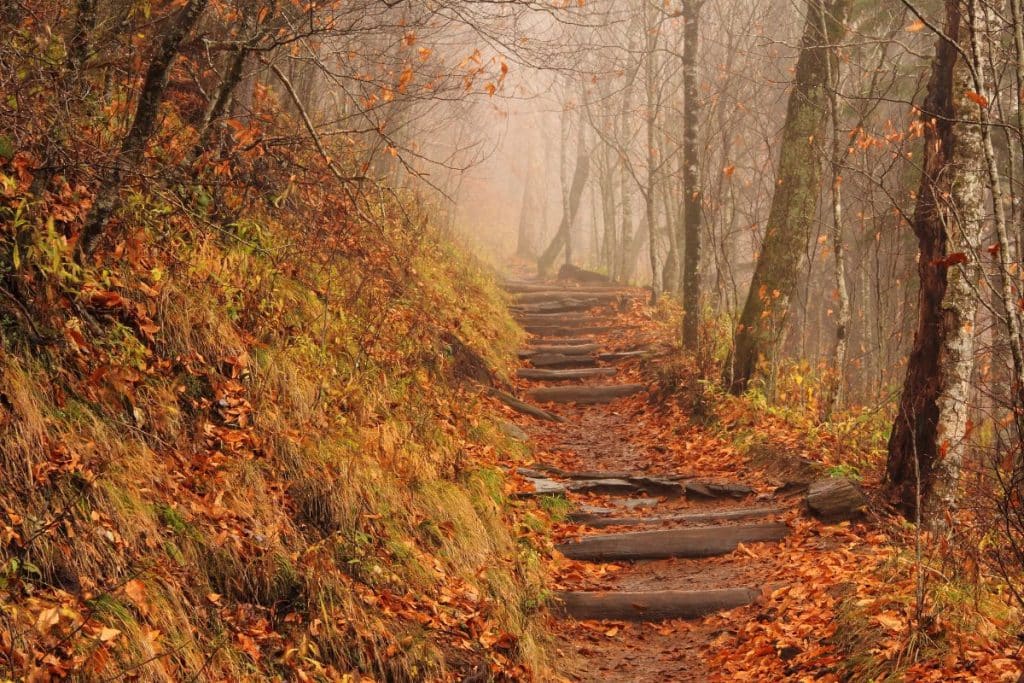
{"x": 598, "y": 521}
{"x": 561, "y": 331}
{"x": 663, "y": 543}
{"x": 835, "y": 499}
{"x": 585, "y": 394}
{"x": 625, "y": 485}
{"x": 653, "y": 605}
{"x": 523, "y": 286}
{"x": 561, "y": 360}
{"x": 562, "y": 341}
{"x": 560, "y": 295}
{"x": 566, "y": 306}
{"x": 558, "y": 375}
{"x": 565, "y": 349}
{"x": 525, "y": 408}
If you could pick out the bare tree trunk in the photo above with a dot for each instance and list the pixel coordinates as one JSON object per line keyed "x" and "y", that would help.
{"x": 143, "y": 124}
{"x": 220, "y": 101}
{"x": 926, "y": 447}
{"x": 692, "y": 196}
{"x": 795, "y": 200}
{"x": 579, "y": 182}
{"x": 652, "y": 222}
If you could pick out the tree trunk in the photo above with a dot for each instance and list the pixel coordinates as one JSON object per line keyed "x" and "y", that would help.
{"x": 927, "y": 445}
{"x": 143, "y": 124}
{"x": 692, "y": 197}
{"x": 579, "y": 182}
{"x": 794, "y": 203}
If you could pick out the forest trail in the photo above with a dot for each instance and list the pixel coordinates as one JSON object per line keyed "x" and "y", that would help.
{"x": 671, "y": 541}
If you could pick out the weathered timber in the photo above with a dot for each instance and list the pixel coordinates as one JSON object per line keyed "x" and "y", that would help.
{"x": 713, "y": 490}
{"x": 653, "y": 605}
{"x": 663, "y": 543}
{"x": 563, "y": 295}
{"x": 523, "y": 407}
{"x": 613, "y": 356}
{"x": 562, "y": 341}
{"x": 835, "y": 499}
{"x": 550, "y": 487}
{"x": 603, "y": 518}
{"x": 623, "y": 482}
{"x": 561, "y": 360}
{"x": 566, "y": 306}
{"x": 565, "y": 349}
{"x": 561, "y": 319}
{"x": 562, "y": 331}
{"x": 559, "y": 375}
{"x": 520, "y": 287}
{"x": 585, "y": 394}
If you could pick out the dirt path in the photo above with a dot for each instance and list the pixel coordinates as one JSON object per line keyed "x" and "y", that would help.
{"x": 622, "y": 459}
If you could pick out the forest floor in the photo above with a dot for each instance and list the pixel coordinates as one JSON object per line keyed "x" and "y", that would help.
{"x": 827, "y": 601}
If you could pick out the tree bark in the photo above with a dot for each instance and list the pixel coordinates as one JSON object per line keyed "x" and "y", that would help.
{"x": 692, "y": 196}
{"x": 927, "y": 444}
{"x": 143, "y": 124}
{"x": 794, "y": 203}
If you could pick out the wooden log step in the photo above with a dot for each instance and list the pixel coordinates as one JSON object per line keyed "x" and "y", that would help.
{"x": 653, "y": 605}
{"x": 835, "y": 499}
{"x": 585, "y": 394}
{"x": 549, "y": 487}
{"x": 564, "y": 295}
{"x": 623, "y": 485}
{"x": 561, "y": 319}
{"x": 562, "y": 341}
{"x": 663, "y": 543}
{"x": 565, "y": 349}
{"x": 612, "y": 356}
{"x": 525, "y": 408}
{"x": 562, "y": 331}
{"x": 561, "y": 360}
{"x": 573, "y": 306}
{"x": 523, "y": 286}
{"x": 599, "y": 520}
{"x": 713, "y": 490}
{"x": 560, "y": 375}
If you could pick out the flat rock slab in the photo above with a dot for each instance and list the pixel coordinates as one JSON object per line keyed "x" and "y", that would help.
{"x": 663, "y": 543}
{"x": 654, "y": 605}
{"x": 602, "y": 517}
{"x": 835, "y": 499}
{"x": 561, "y": 375}
{"x": 585, "y": 394}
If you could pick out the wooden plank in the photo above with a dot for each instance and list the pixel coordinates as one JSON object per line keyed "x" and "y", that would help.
{"x": 601, "y": 520}
{"x": 585, "y": 394}
{"x": 561, "y": 375}
{"x": 653, "y": 605}
{"x": 650, "y": 545}
{"x": 562, "y": 341}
